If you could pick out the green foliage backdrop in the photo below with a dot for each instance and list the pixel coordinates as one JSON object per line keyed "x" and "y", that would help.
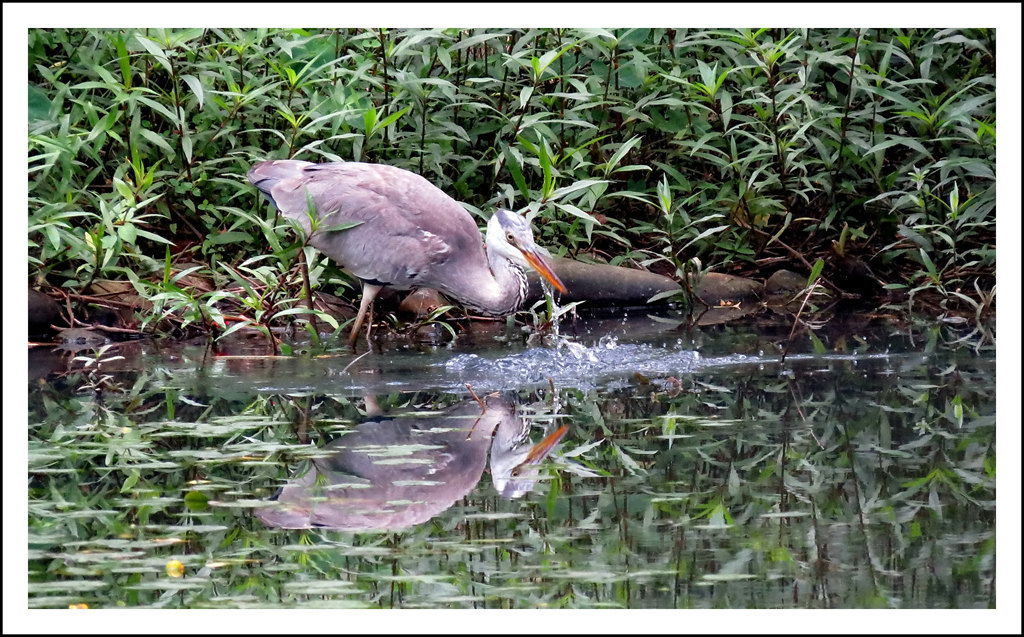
{"x": 646, "y": 147}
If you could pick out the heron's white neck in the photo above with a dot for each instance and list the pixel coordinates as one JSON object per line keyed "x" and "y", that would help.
{"x": 504, "y": 290}
{"x": 502, "y": 294}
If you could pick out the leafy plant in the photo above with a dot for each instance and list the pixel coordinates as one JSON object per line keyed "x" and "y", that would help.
{"x": 637, "y": 147}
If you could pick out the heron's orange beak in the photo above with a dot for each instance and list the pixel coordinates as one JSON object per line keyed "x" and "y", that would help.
{"x": 540, "y": 264}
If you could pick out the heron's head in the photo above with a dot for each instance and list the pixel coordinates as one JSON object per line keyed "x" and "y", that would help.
{"x": 509, "y": 236}
{"x": 515, "y": 459}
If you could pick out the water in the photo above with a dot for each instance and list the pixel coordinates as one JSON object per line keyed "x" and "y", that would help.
{"x": 696, "y": 469}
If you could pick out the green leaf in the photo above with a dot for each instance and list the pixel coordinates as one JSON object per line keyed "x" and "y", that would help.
{"x": 905, "y": 141}
{"x": 370, "y": 120}
{"x": 160, "y": 108}
{"x": 186, "y": 145}
{"x": 196, "y": 86}
{"x": 512, "y": 162}
{"x": 927, "y": 261}
{"x": 152, "y": 236}
{"x": 196, "y": 501}
{"x": 391, "y": 119}
{"x": 123, "y": 60}
{"x": 38, "y": 104}
{"x": 819, "y": 265}
{"x": 157, "y": 140}
{"x": 574, "y": 187}
{"x": 124, "y": 190}
{"x": 127, "y": 233}
{"x": 130, "y": 481}
{"x": 576, "y": 212}
{"x": 619, "y": 154}
{"x": 542, "y": 64}
{"x": 524, "y": 96}
{"x": 155, "y": 50}
{"x": 226, "y": 238}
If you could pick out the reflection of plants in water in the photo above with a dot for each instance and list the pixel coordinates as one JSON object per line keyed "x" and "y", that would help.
{"x": 92, "y": 365}
{"x": 109, "y": 474}
{"x": 837, "y": 483}
{"x": 821, "y": 487}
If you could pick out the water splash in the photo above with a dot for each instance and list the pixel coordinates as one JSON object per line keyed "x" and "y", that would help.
{"x": 571, "y": 363}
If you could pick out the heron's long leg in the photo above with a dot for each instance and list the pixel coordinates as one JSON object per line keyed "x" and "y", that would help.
{"x": 369, "y": 325}
{"x": 369, "y": 293}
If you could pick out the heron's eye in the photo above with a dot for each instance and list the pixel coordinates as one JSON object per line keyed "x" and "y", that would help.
{"x": 511, "y": 239}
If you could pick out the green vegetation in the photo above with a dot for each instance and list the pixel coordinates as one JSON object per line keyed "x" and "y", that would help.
{"x": 748, "y": 150}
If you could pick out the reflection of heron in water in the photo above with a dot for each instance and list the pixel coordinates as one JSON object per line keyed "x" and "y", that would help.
{"x": 392, "y": 473}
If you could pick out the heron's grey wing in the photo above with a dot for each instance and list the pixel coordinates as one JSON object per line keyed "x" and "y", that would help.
{"x": 407, "y": 226}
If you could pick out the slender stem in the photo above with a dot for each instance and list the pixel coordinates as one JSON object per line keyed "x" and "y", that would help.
{"x": 387, "y": 86}
{"x": 845, "y": 120}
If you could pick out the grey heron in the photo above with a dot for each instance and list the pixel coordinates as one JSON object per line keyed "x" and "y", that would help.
{"x": 409, "y": 233}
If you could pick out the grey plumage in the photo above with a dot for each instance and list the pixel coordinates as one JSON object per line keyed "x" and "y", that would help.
{"x": 409, "y": 233}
